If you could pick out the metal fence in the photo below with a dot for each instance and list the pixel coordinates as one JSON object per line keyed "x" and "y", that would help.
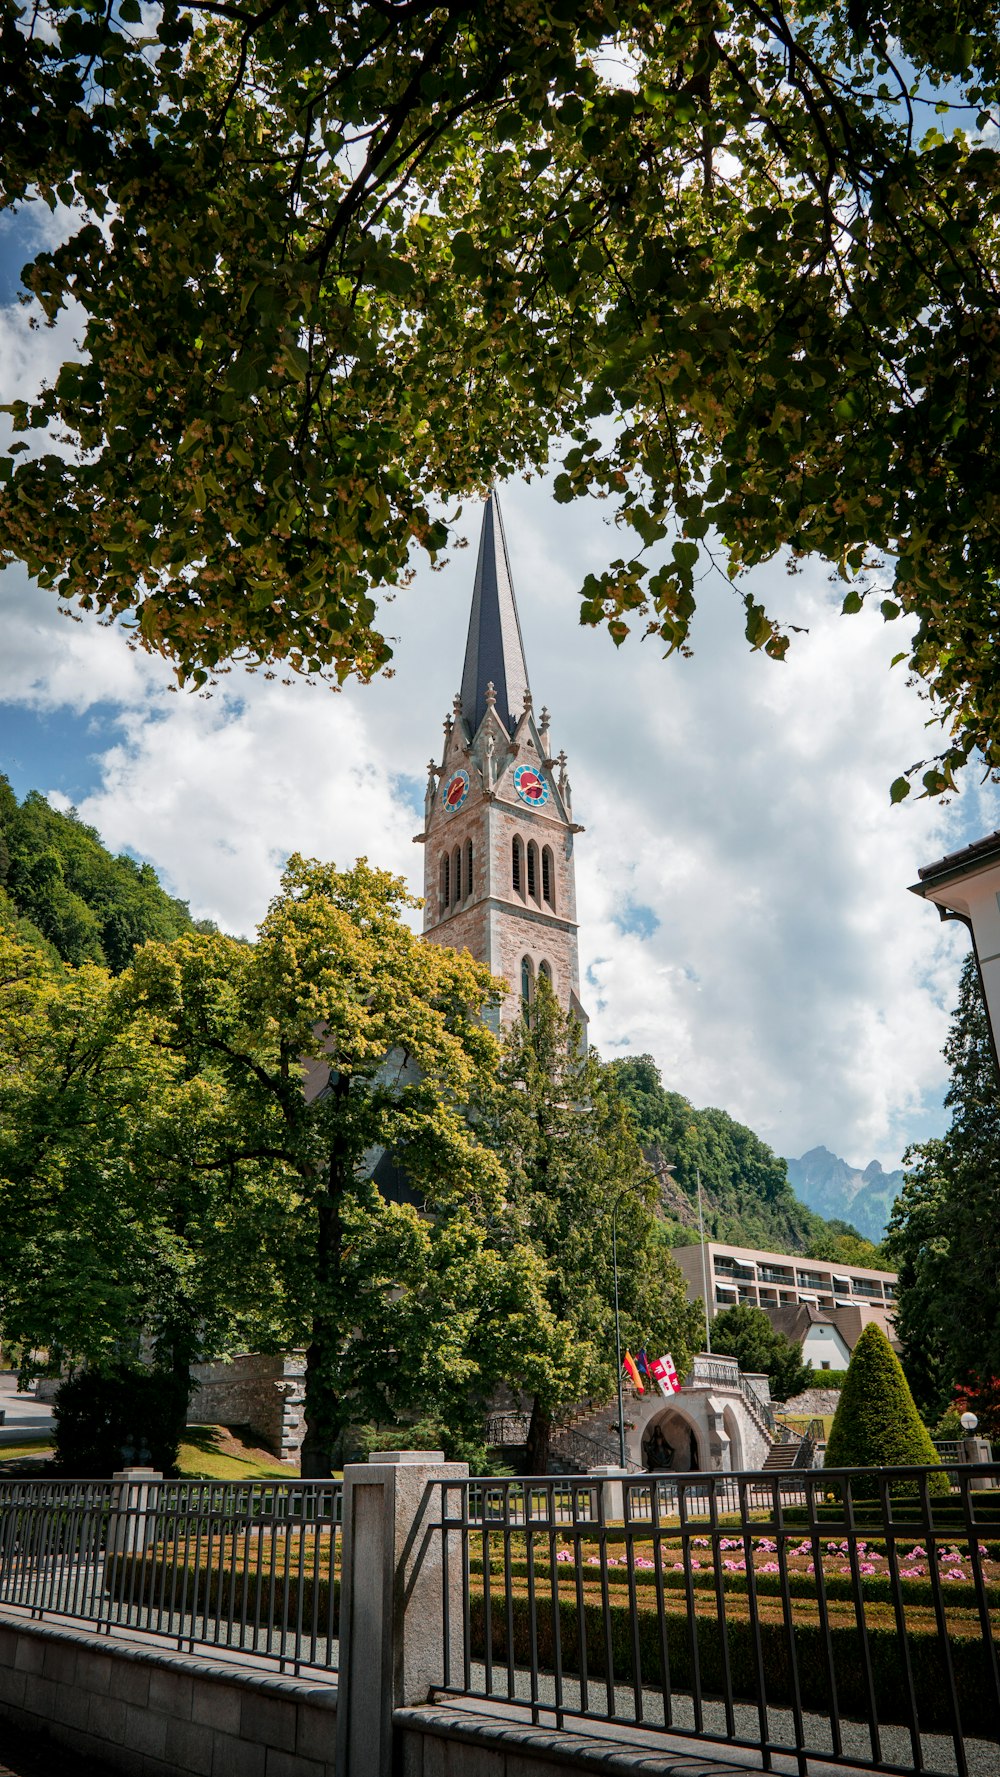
{"x": 833, "y": 1615}
{"x": 248, "y": 1566}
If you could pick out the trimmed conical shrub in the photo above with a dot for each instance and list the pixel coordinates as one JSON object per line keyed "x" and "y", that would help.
{"x": 876, "y": 1425}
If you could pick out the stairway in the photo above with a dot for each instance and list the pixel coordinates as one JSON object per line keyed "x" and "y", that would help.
{"x": 780, "y": 1456}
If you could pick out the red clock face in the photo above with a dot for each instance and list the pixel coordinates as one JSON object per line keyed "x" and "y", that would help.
{"x": 455, "y": 791}
{"x": 531, "y": 786}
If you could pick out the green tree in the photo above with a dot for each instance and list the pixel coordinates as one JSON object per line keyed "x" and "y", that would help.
{"x": 395, "y": 1047}
{"x": 569, "y": 1154}
{"x": 944, "y": 1232}
{"x": 841, "y": 1244}
{"x": 119, "y": 1236}
{"x": 745, "y": 1333}
{"x": 876, "y": 1424}
{"x": 753, "y": 296}
{"x": 747, "y": 1196}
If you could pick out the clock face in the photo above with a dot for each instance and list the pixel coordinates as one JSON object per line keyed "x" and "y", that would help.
{"x": 531, "y": 786}
{"x": 455, "y": 791}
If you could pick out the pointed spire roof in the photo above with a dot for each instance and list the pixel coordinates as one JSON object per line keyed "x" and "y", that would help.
{"x": 494, "y": 653}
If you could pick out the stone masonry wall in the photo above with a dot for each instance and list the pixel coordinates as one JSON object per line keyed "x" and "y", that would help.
{"x": 265, "y": 1393}
{"x": 150, "y": 1712}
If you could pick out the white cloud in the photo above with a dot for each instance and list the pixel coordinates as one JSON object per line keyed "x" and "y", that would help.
{"x": 791, "y": 979}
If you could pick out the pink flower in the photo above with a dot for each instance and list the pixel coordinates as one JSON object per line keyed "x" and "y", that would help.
{"x": 699, "y": 1542}
{"x": 811, "y": 1567}
{"x": 734, "y": 1566}
{"x": 768, "y": 1567}
{"x": 564, "y": 1555}
{"x": 678, "y": 1566}
{"x": 954, "y": 1573}
{"x": 593, "y": 1561}
{"x": 696, "y": 1564}
{"x": 866, "y": 1567}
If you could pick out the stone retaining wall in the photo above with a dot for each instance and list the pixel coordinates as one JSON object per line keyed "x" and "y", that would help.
{"x": 265, "y": 1393}
{"x": 150, "y": 1712}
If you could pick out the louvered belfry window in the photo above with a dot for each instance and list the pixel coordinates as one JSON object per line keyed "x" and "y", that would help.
{"x": 548, "y": 877}
{"x": 533, "y": 870}
{"x": 517, "y": 866}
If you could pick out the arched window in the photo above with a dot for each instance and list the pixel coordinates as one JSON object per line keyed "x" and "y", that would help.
{"x": 456, "y": 866}
{"x": 527, "y": 983}
{"x": 517, "y": 866}
{"x": 545, "y": 968}
{"x": 533, "y": 870}
{"x": 548, "y": 877}
{"x": 468, "y": 869}
{"x": 445, "y": 880}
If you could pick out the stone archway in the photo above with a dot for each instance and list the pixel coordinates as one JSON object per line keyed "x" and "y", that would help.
{"x": 671, "y": 1444}
{"x": 734, "y": 1433}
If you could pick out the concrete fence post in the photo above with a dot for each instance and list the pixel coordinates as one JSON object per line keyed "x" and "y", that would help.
{"x": 393, "y": 1608}
{"x": 131, "y": 1525}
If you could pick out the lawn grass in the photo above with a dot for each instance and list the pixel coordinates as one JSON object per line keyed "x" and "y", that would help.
{"x": 202, "y": 1459}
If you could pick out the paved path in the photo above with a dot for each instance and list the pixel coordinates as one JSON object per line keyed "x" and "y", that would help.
{"x": 27, "y": 1755}
{"x": 25, "y": 1417}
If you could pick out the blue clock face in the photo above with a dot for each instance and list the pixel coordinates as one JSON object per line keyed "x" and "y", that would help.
{"x": 455, "y": 791}
{"x": 531, "y": 786}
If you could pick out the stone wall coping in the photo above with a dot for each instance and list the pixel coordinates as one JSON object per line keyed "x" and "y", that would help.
{"x": 605, "y": 1747}
{"x": 319, "y": 1693}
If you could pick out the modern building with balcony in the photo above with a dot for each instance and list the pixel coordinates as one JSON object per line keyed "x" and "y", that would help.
{"x": 840, "y": 1299}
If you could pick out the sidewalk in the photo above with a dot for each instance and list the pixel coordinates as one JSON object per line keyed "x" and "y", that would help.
{"x": 25, "y": 1417}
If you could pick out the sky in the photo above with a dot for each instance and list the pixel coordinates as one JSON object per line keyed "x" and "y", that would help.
{"x": 742, "y": 881}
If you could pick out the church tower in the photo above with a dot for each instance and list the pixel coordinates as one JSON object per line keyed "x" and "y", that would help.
{"x": 499, "y": 829}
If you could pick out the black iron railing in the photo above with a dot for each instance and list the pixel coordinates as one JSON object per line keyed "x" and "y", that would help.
{"x": 248, "y": 1566}
{"x": 840, "y": 1616}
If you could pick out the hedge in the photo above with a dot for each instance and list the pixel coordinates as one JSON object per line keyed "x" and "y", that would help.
{"x": 970, "y": 1658}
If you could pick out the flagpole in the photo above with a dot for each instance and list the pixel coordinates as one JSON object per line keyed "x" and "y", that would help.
{"x": 704, "y": 1266}
{"x": 618, "y": 1334}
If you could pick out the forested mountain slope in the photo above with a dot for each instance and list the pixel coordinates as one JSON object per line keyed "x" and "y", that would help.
{"x": 65, "y": 889}
{"x": 746, "y": 1194}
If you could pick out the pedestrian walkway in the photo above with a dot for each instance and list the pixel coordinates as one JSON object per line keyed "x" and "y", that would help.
{"x": 32, "y": 1755}
{"x": 24, "y": 1416}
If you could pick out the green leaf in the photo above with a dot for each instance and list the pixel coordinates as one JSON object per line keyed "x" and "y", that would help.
{"x": 899, "y": 789}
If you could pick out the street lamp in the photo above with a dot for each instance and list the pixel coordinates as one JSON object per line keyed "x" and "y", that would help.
{"x": 968, "y": 1422}
{"x": 618, "y": 1331}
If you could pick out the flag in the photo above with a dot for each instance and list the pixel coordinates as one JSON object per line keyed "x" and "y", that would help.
{"x": 643, "y": 1363}
{"x": 666, "y": 1377}
{"x": 632, "y": 1372}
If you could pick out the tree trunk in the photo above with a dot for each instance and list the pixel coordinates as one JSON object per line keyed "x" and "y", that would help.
{"x": 324, "y": 1407}
{"x": 322, "y": 1410}
{"x": 539, "y": 1438}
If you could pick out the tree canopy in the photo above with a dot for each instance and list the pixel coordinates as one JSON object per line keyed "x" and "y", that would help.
{"x": 745, "y": 1333}
{"x": 569, "y": 1153}
{"x": 944, "y": 1233}
{"x": 723, "y": 258}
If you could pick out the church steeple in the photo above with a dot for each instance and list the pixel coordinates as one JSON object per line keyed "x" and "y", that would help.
{"x": 499, "y": 828}
{"x": 494, "y": 652}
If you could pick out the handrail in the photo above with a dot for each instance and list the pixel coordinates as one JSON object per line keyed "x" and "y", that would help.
{"x": 725, "y": 1372}
{"x": 580, "y": 1447}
